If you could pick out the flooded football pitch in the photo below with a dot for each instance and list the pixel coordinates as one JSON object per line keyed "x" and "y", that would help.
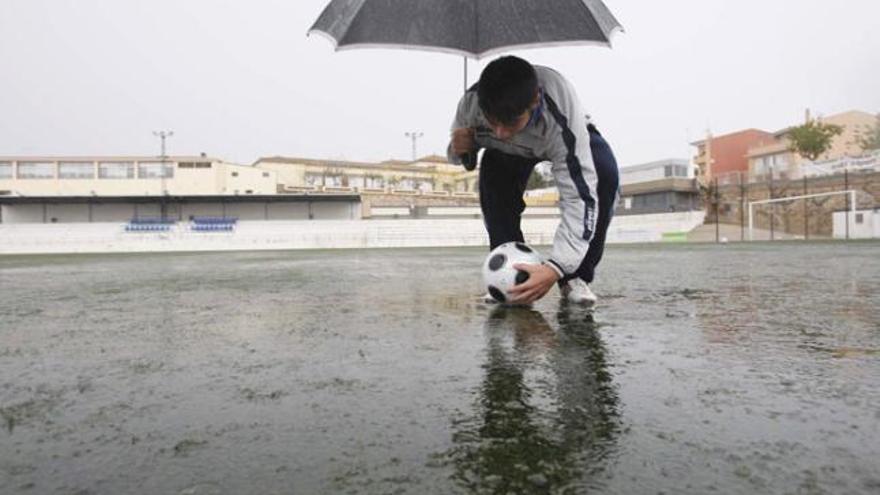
{"x": 706, "y": 369}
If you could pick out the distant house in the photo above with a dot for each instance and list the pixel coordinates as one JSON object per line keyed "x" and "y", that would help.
{"x": 776, "y": 157}
{"x": 662, "y": 186}
{"x": 429, "y": 174}
{"x": 718, "y": 156}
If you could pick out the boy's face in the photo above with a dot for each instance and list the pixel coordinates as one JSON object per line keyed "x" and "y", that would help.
{"x": 506, "y": 130}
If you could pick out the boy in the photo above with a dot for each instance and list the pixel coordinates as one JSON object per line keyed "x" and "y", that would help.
{"x": 523, "y": 115}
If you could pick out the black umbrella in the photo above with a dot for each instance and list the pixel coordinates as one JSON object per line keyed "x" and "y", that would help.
{"x": 472, "y": 28}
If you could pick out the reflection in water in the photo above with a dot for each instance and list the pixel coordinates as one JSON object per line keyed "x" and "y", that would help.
{"x": 546, "y": 416}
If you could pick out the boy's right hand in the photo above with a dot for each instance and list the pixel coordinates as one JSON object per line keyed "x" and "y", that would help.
{"x": 463, "y": 141}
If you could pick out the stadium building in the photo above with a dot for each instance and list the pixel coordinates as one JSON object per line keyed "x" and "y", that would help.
{"x": 131, "y": 188}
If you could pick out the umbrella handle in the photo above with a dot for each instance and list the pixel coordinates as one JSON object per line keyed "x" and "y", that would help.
{"x": 469, "y": 160}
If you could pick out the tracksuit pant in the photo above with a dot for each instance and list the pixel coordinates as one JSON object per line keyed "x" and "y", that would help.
{"x": 503, "y": 179}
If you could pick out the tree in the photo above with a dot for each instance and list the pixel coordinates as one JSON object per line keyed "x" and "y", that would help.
{"x": 869, "y": 138}
{"x": 813, "y": 139}
{"x": 536, "y": 181}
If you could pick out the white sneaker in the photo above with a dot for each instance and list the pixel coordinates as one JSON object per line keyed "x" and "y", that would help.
{"x": 577, "y": 291}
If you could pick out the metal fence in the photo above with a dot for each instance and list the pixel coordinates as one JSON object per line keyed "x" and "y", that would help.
{"x": 840, "y": 204}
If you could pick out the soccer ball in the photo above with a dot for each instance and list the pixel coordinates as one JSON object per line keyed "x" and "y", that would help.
{"x": 499, "y": 275}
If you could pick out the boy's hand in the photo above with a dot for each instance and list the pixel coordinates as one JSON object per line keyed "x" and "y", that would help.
{"x": 463, "y": 141}
{"x": 541, "y": 280}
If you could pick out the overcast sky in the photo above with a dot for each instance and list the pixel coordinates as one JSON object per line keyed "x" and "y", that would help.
{"x": 240, "y": 80}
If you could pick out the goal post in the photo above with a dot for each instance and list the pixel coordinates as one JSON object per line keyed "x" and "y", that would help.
{"x": 752, "y": 204}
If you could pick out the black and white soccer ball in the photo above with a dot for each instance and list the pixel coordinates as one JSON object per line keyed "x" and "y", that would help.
{"x": 499, "y": 275}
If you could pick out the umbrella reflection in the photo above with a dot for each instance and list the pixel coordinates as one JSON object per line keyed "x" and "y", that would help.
{"x": 546, "y": 413}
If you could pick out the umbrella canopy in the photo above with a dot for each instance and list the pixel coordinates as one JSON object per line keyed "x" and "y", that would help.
{"x": 473, "y": 28}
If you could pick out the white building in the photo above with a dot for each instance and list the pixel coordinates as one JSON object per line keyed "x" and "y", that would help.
{"x": 126, "y": 188}
{"x": 863, "y": 224}
{"x": 659, "y": 170}
{"x": 658, "y": 187}
{"x": 130, "y": 176}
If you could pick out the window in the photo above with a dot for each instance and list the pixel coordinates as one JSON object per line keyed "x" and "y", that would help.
{"x": 667, "y": 171}
{"x": 860, "y": 218}
{"x": 76, "y": 170}
{"x": 5, "y": 170}
{"x": 153, "y": 170}
{"x": 375, "y": 182}
{"x": 651, "y": 200}
{"x": 36, "y": 170}
{"x": 314, "y": 180}
{"x": 116, "y": 170}
{"x": 265, "y": 174}
{"x": 406, "y": 184}
{"x": 235, "y": 174}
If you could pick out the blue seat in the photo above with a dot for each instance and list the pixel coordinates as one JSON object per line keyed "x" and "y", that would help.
{"x": 149, "y": 225}
{"x": 213, "y": 224}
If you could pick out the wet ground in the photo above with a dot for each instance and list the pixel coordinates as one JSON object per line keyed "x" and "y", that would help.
{"x": 725, "y": 369}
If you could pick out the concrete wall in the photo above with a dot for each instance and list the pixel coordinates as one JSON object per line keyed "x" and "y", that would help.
{"x": 67, "y": 213}
{"x": 112, "y": 212}
{"x": 23, "y": 214}
{"x": 309, "y": 234}
{"x": 123, "y": 212}
{"x": 247, "y": 211}
{"x": 288, "y": 211}
{"x": 335, "y": 211}
{"x": 148, "y": 211}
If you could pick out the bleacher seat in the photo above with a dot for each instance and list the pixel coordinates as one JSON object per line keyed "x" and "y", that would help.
{"x": 149, "y": 225}
{"x": 213, "y": 224}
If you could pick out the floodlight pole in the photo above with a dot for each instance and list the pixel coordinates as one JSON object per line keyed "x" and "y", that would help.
{"x": 163, "y": 135}
{"x": 415, "y": 135}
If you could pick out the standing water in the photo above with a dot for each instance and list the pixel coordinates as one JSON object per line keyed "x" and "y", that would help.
{"x": 727, "y": 369}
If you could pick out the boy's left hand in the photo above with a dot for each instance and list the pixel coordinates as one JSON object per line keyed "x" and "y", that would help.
{"x": 541, "y": 280}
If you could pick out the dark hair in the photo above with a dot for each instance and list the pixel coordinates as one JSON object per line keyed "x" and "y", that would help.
{"x": 507, "y": 88}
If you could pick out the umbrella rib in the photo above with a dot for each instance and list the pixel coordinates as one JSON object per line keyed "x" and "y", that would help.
{"x": 608, "y": 24}
{"x": 477, "y": 26}
{"x": 340, "y": 36}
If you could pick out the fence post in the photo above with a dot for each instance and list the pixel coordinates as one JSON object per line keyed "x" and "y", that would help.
{"x": 806, "y": 212}
{"x": 772, "y": 205}
{"x": 717, "y": 214}
{"x": 742, "y": 209}
{"x": 846, "y": 188}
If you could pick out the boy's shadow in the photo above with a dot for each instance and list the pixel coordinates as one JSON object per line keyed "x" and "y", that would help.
{"x": 546, "y": 413}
